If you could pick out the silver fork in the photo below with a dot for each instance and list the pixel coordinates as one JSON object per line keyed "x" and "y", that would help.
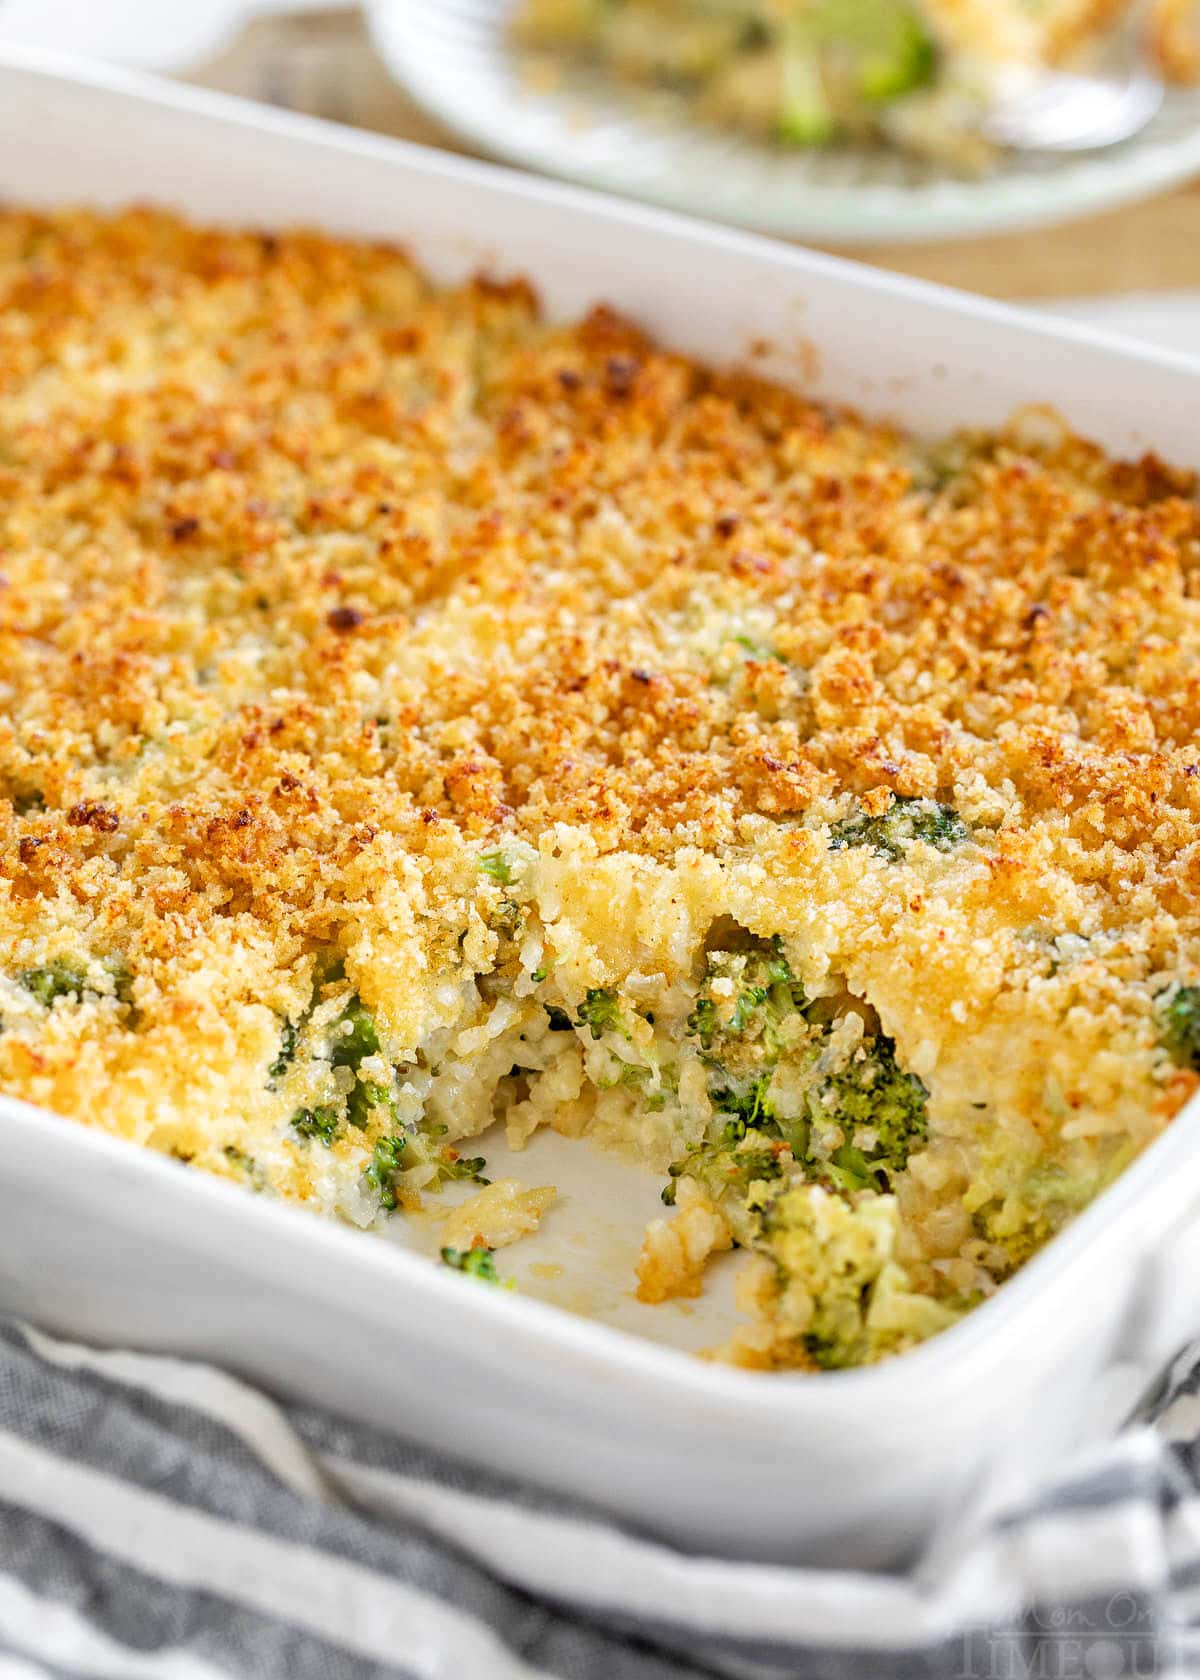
{"x": 1079, "y": 110}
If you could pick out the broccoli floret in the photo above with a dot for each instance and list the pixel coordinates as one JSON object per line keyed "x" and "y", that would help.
{"x": 748, "y": 1014}
{"x": 882, "y": 1112}
{"x": 766, "y": 993}
{"x": 704, "y": 1023}
{"x": 742, "y": 1152}
{"x": 66, "y": 977}
{"x": 1179, "y": 1026}
{"x": 387, "y": 1159}
{"x": 364, "y": 1098}
{"x": 328, "y": 968}
{"x": 498, "y": 867}
{"x": 905, "y": 821}
{"x": 724, "y": 1170}
{"x": 876, "y": 1111}
{"x": 476, "y": 1262}
{"x": 288, "y": 1039}
{"x": 829, "y": 1253}
{"x": 60, "y": 978}
{"x": 882, "y": 46}
{"x": 748, "y": 1105}
{"x": 451, "y": 1167}
{"x": 323, "y": 1122}
{"x": 894, "y": 52}
{"x": 601, "y": 1013}
{"x": 1033, "y": 1205}
{"x": 805, "y": 117}
{"x": 353, "y": 1036}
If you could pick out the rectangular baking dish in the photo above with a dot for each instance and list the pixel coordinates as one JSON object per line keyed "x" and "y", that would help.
{"x": 101, "y": 1240}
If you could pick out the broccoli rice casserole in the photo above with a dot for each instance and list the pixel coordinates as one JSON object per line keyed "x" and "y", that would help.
{"x": 416, "y": 716}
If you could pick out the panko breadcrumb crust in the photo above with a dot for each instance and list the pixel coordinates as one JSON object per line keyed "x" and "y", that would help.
{"x": 317, "y": 582}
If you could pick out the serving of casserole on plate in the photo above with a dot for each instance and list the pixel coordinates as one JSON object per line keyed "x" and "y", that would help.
{"x": 417, "y": 715}
{"x": 847, "y": 121}
{"x": 919, "y": 76}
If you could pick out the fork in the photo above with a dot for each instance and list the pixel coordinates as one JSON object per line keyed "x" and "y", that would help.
{"x": 1075, "y": 111}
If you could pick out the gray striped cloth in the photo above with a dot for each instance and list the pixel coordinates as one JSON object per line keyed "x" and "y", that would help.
{"x": 160, "y": 1520}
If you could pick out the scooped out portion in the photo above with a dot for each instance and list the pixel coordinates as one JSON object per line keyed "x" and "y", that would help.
{"x": 416, "y": 715}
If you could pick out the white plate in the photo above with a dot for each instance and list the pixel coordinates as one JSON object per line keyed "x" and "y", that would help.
{"x": 453, "y": 58}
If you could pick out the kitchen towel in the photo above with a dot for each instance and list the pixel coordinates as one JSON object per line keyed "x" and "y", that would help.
{"x": 161, "y": 1520}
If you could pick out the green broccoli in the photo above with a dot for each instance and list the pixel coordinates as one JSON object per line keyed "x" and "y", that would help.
{"x": 724, "y": 1169}
{"x": 353, "y": 1036}
{"x": 1179, "y": 1025}
{"x": 328, "y": 968}
{"x": 498, "y": 867}
{"x": 704, "y": 1022}
{"x": 806, "y": 117}
{"x": 289, "y": 1037}
{"x": 476, "y": 1262}
{"x": 452, "y": 1166}
{"x": 364, "y": 1098}
{"x": 766, "y": 994}
{"x": 905, "y": 821}
{"x": 748, "y": 1106}
{"x": 748, "y": 1015}
{"x": 829, "y": 1253}
{"x": 601, "y": 1013}
{"x": 387, "y": 1159}
{"x": 882, "y": 1113}
{"x": 876, "y": 1111}
{"x": 884, "y": 46}
{"x": 60, "y": 978}
{"x": 893, "y": 50}
{"x": 323, "y": 1122}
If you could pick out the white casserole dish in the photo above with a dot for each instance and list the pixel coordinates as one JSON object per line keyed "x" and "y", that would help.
{"x": 101, "y": 1240}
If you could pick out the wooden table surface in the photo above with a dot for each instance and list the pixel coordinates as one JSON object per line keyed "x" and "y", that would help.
{"x": 323, "y": 63}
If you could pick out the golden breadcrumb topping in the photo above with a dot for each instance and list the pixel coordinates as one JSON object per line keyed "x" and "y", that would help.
{"x": 371, "y": 647}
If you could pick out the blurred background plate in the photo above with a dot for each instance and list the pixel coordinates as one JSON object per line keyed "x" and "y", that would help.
{"x": 453, "y": 58}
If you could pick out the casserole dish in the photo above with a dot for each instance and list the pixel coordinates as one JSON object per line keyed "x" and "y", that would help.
{"x": 508, "y": 1381}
